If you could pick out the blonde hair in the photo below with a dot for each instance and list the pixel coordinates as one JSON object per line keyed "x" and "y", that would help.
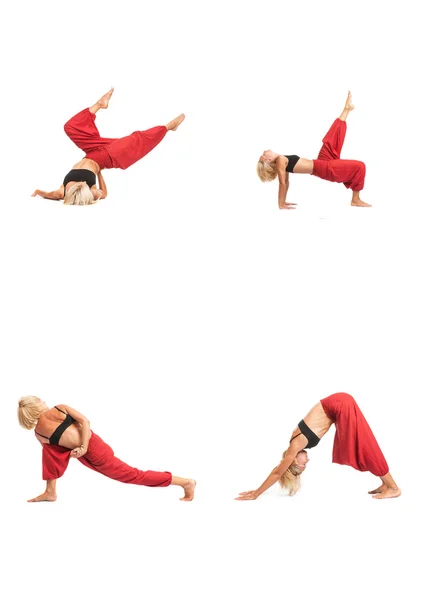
{"x": 266, "y": 171}
{"x": 79, "y": 194}
{"x": 29, "y": 411}
{"x": 290, "y": 481}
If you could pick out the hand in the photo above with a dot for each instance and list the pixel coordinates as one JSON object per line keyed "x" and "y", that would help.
{"x": 287, "y": 205}
{"x": 78, "y": 452}
{"x": 35, "y": 193}
{"x": 252, "y": 495}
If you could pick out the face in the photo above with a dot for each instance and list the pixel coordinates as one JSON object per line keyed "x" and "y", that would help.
{"x": 267, "y": 156}
{"x": 302, "y": 460}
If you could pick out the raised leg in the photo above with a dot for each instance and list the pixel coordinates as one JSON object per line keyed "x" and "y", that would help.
{"x": 334, "y": 138}
{"x": 102, "y": 103}
{"x": 348, "y": 107}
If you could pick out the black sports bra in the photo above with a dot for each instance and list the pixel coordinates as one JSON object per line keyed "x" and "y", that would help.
{"x": 313, "y": 439}
{"x": 80, "y": 175}
{"x": 57, "y": 433}
{"x": 293, "y": 158}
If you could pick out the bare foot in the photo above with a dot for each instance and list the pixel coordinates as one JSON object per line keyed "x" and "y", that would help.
{"x": 388, "y": 493}
{"x": 189, "y": 490}
{"x": 359, "y": 202}
{"x": 46, "y": 497}
{"x": 104, "y": 100}
{"x": 378, "y": 490}
{"x": 175, "y": 123}
{"x": 349, "y": 106}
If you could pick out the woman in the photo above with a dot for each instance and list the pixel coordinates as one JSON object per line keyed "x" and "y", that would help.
{"x": 354, "y": 445}
{"x": 328, "y": 166}
{"x": 79, "y": 185}
{"x": 64, "y": 432}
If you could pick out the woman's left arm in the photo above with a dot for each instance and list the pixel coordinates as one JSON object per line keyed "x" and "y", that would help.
{"x": 85, "y": 430}
{"x": 55, "y": 195}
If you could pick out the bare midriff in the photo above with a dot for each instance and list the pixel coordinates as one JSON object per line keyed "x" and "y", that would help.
{"x": 317, "y": 420}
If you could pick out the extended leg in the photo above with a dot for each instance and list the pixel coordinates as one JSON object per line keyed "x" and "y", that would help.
{"x": 102, "y": 103}
{"x": 334, "y": 138}
{"x": 100, "y": 458}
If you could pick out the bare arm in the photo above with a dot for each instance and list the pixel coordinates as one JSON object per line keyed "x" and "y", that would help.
{"x": 102, "y": 191}
{"x": 296, "y": 446}
{"x": 283, "y": 181}
{"x": 85, "y": 429}
{"x": 55, "y": 195}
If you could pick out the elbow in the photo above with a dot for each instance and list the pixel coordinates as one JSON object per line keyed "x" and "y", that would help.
{"x": 85, "y": 423}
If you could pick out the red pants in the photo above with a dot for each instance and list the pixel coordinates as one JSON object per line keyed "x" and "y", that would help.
{"x": 329, "y": 165}
{"x": 100, "y": 458}
{"x": 354, "y": 442}
{"x": 117, "y": 153}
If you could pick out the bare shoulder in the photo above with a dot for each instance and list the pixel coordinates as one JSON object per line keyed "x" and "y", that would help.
{"x": 282, "y": 162}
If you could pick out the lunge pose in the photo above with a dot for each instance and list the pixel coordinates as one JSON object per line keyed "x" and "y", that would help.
{"x": 64, "y": 432}
{"x": 354, "y": 445}
{"x": 79, "y": 185}
{"x": 327, "y": 166}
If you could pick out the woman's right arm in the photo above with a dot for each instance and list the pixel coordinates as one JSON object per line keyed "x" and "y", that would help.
{"x": 85, "y": 430}
{"x": 272, "y": 478}
{"x": 283, "y": 183}
{"x": 102, "y": 184}
{"x": 55, "y": 195}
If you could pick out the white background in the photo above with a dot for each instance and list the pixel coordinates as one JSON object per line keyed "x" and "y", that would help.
{"x": 192, "y": 321}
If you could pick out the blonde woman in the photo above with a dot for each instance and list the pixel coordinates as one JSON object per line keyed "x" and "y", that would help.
{"x": 354, "y": 445}
{"x": 79, "y": 185}
{"x": 327, "y": 166}
{"x": 65, "y": 433}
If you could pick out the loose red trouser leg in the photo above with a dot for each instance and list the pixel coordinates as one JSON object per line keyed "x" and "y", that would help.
{"x": 100, "y": 458}
{"x": 330, "y": 167}
{"x": 354, "y": 442}
{"x": 126, "y": 151}
{"x": 81, "y": 129}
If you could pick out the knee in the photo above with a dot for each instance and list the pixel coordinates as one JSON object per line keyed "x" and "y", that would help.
{"x": 361, "y": 168}
{"x": 345, "y": 398}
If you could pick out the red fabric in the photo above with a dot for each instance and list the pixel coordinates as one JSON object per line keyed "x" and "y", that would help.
{"x": 100, "y": 458}
{"x": 108, "y": 153}
{"x": 331, "y": 167}
{"x": 354, "y": 442}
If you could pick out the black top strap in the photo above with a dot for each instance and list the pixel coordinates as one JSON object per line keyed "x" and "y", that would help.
{"x": 41, "y": 435}
{"x": 295, "y": 436}
{"x": 62, "y": 411}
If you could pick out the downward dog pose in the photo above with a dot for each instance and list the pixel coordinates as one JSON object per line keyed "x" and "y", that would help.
{"x": 327, "y": 166}
{"x": 79, "y": 185}
{"x": 64, "y": 432}
{"x": 354, "y": 445}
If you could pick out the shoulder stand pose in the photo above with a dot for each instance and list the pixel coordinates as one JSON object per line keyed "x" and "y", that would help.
{"x": 79, "y": 185}
{"x": 327, "y": 166}
{"x": 354, "y": 445}
{"x": 64, "y": 432}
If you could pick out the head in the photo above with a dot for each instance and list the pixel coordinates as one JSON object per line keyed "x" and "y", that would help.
{"x": 290, "y": 481}
{"x": 29, "y": 410}
{"x": 79, "y": 194}
{"x": 266, "y": 167}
